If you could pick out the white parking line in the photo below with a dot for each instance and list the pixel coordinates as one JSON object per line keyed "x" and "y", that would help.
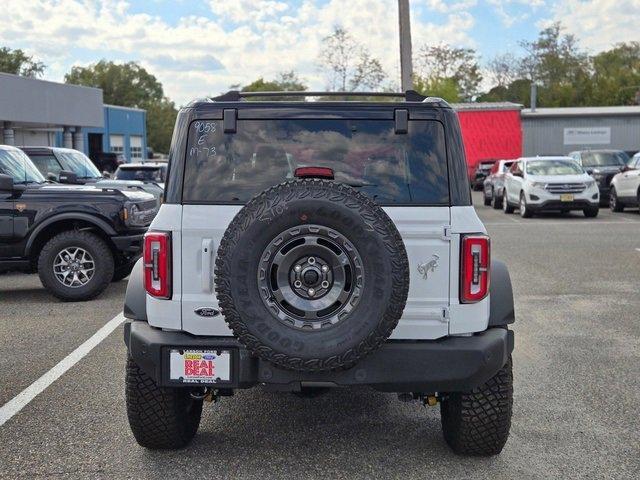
{"x": 563, "y": 223}
{"x": 21, "y": 400}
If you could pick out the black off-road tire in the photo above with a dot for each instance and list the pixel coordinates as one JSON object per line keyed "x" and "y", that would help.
{"x": 477, "y": 423}
{"x": 97, "y": 248}
{"x": 160, "y": 418}
{"x": 303, "y": 205}
{"x": 591, "y": 212}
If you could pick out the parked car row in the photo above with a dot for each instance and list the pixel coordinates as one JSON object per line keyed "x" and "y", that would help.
{"x": 69, "y": 166}
{"x": 78, "y": 236}
{"x": 584, "y": 181}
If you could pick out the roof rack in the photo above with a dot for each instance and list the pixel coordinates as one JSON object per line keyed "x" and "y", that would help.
{"x": 236, "y": 96}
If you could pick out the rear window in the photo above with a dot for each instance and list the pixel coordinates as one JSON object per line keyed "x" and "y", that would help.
{"x": 143, "y": 174}
{"x": 390, "y": 168}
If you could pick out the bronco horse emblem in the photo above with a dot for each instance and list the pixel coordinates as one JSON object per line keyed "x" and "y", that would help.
{"x": 430, "y": 266}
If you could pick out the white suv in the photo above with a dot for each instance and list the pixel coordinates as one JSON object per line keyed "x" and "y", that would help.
{"x": 306, "y": 245}
{"x": 625, "y": 186}
{"x": 535, "y": 184}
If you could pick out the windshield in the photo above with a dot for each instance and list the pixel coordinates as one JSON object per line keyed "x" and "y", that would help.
{"x": 604, "y": 159}
{"x": 144, "y": 174}
{"x": 391, "y": 168}
{"x": 554, "y": 167}
{"x": 18, "y": 166}
{"x": 78, "y": 163}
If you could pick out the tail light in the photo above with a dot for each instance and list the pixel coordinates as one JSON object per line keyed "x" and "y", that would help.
{"x": 474, "y": 268}
{"x": 157, "y": 264}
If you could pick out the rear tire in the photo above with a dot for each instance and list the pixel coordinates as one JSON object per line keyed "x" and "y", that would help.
{"x": 160, "y": 418}
{"x": 506, "y": 208}
{"x": 591, "y": 212}
{"x": 614, "y": 204}
{"x": 99, "y": 264}
{"x": 477, "y": 423}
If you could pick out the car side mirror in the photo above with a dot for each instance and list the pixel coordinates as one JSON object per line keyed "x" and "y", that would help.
{"x": 589, "y": 171}
{"x": 106, "y": 174}
{"x": 66, "y": 176}
{"x": 518, "y": 174}
{"x": 626, "y": 168}
{"x": 52, "y": 177}
{"x": 6, "y": 184}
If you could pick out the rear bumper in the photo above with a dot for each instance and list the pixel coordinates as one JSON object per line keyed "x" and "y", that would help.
{"x": 445, "y": 365}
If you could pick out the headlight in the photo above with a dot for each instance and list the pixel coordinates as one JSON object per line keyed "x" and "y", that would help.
{"x": 590, "y": 183}
{"x": 135, "y": 216}
{"x": 538, "y": 184}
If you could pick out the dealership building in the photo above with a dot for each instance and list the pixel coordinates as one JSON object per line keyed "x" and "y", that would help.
{"x": 41, "y": 113}
{"x": 558, "y": 131}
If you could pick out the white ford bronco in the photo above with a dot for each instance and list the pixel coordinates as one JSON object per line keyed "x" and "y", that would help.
{"x": 319, "y": 244}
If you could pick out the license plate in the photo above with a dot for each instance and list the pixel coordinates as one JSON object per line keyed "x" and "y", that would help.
{"x": 566, "y": 197}
{"x": 200, "y": 366}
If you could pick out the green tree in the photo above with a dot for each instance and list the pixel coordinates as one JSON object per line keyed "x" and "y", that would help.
{"x": 348, "y": 65}
{"x": 284, "y": 82}
{"x": 161, "y": 118}
{"x": 126, "y": 84}
{"x": 616, "y": 75}
{"x": 446, "y": 88}
{"x": 19, "y": 63}
{"x": 130, "y": 85}
{"x": 444, "y": 65}
{"x": 518, "y": 91}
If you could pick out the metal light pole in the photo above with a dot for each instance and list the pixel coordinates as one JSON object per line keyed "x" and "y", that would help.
{"x": 406, "y": 64}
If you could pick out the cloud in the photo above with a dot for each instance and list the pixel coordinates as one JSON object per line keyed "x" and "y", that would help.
{"x": 599, "y": 24}
{"x": 444, "y": 6}
{"x": 228, "y": 42}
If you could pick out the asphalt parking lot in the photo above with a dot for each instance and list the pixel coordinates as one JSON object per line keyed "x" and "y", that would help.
{"x": 576, "y": 366}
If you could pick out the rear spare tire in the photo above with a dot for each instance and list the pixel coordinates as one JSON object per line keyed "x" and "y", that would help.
{"x": 312, "y": 275}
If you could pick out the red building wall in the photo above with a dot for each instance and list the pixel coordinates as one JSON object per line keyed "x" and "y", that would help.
{"x": 490, "y": 134}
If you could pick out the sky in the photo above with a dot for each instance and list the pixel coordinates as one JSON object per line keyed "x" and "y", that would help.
{"x": 199, "y": 48}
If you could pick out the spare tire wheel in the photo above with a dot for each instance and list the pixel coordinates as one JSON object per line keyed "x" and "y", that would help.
{"x": 312, "y": 275}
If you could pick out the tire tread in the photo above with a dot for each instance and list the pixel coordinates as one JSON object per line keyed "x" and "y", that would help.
{"x": 477, "y": 423}
{"x": 352, "y": 199}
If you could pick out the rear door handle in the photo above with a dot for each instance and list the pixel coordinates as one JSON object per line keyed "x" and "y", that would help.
{"x": 206, "y": 255}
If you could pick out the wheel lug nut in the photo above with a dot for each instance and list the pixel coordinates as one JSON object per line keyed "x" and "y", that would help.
{"x": 325, "y": 268}
{"x": 311, "y": 292}
{"x": 297, "y": 284}
{"x": 324, "y": 284}
{"x": 297, "y": 268}
{"x": 311, "y": 260}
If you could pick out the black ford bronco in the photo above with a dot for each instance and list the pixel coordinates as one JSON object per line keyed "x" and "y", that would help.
{"x": 78, "y": 238}
{"x": 319, "y": 244}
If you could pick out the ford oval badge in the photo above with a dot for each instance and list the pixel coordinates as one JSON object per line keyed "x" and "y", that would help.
{"x": 206, "y": 312}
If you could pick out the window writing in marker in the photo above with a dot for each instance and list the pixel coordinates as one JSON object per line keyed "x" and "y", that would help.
{"x": 203, "y": 132}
